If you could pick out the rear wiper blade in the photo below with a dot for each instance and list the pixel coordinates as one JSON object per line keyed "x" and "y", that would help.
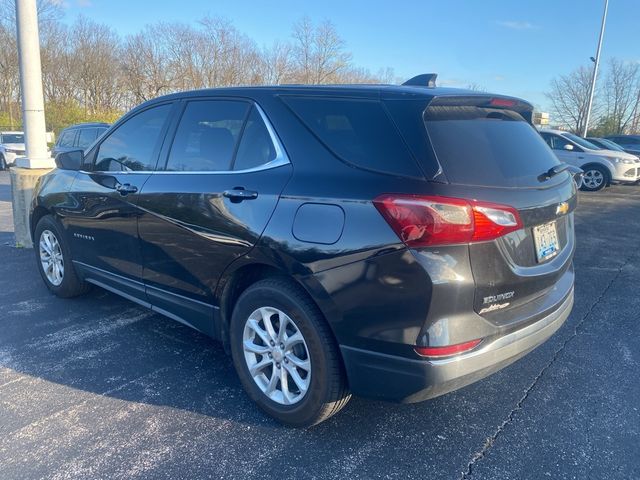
{"x": 553, "y": 171}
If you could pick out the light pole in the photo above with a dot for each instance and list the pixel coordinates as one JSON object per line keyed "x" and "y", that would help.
{"x": 596, "y": 63}
{"x": 31, "y": 86}
{"x": 38, "y": 161}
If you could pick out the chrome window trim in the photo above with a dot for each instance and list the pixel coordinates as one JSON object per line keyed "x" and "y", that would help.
{"x": 281, "y": 159}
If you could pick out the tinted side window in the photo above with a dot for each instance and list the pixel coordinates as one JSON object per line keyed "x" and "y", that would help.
{"x": 559, "y": 143}
{"x": 207, "y": 135}
{"x": 66, "y": 139}
{"x": 256, "y": 147}
{"x": 86, "y": 137}
{"x": 132, "y": 145}
{"x": 357, "y": 131}
{"x": 548, "y": 139}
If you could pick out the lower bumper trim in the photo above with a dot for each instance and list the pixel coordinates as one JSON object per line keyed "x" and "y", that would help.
{"x": 388, "y": 377}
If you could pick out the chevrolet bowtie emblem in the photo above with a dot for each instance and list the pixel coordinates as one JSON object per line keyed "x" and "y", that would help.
{"x": 562, "y": 208}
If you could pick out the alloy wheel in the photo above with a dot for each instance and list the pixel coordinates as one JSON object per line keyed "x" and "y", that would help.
{"x": 277, "y": 355}
{"x": 51, "y": 257}
{"x": 593, "y": 179}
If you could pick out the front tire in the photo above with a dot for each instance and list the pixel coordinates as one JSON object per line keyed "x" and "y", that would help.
{"x": 285, "y": 354}
{"x": 54, "y": 260}
{"x": 594, "y": 178}
{"x": 3, "y": 163}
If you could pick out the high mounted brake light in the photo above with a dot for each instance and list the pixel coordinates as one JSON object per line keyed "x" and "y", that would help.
{"x": 502, "y": 102}
{"x": 423, "y": 221}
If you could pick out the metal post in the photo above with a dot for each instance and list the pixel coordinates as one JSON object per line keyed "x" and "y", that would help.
{"x": 595, "y": 70}
{"x": 31, "y": 87}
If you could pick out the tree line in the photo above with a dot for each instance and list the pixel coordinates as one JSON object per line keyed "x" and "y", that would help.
{"x": 616, "y": 106}
{"x": 91, "y": 73}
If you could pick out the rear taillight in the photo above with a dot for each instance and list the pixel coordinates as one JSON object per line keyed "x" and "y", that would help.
{"x": 447, "y": 350}
{"x": 422, "y": 221}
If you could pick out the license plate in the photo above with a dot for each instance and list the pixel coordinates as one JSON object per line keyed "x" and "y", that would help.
{"x": 545, "y": 238}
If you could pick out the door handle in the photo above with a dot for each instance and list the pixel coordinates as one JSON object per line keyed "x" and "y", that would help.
{"x": 126, "y": 188}
{"x": 238, "y": 194}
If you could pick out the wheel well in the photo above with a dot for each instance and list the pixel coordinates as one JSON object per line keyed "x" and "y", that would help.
{"x": 586, "y": 166}
{"x": 240, "y": 280}
{"x": 36, "y": 215}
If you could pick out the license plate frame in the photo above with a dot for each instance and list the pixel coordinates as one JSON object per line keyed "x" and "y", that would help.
{"x": 545, "y": 239}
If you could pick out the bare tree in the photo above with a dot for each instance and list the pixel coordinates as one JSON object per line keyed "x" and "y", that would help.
{"x": 48, "y": 11}
{"x": 277, "y": 64}
{"x": 319, "y": 52}
{"x": 146, "y": 64}
{"x": 621, "y": 94}
{"x": 97, "y": 66}
{"x": 9, "y": 79}
{"x": 90, "y": 73}
{"x": 569, "y": 98}
{"x": 224, "y": 55}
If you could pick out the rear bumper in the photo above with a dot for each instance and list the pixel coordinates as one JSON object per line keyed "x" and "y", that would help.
{"x": 389, "y": 377}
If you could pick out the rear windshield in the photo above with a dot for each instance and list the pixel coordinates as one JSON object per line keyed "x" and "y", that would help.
{"x": 12, "y": 138}
{"x": 487, "y": 146}
{"x": 357, "y": 131}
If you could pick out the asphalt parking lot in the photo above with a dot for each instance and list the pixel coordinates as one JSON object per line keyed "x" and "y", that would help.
{"x": 97, "y": 387}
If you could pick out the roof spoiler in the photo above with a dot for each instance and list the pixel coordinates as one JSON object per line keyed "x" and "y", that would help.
{"x": 424, "y": 80}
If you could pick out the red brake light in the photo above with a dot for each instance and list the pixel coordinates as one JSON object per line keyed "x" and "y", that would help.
{"x": 447, "y": 350}
{"x": 502, "y": 102}
{"x": 421, "y": 221}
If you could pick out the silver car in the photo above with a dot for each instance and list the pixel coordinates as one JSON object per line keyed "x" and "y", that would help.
{"x": 11, "y": 147}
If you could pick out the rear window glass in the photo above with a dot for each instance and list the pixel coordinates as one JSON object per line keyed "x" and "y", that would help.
{"x": 357, "y": 131}
{"x": 488, "y": 147}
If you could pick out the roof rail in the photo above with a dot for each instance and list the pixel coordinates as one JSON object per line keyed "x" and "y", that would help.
{"x": 424, "y": 80}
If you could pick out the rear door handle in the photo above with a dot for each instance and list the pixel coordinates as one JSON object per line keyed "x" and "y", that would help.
{"x": 126, "y": 188}
{"x": 238, "y": 194}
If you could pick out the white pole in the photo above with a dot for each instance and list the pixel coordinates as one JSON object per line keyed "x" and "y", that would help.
{"x": 595, "y": 69}
{"x": 31, "y": 87}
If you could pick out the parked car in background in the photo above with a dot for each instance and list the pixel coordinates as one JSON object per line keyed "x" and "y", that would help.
{"x": 601, "y": 167}
{"x": 78, "y": 137}
{"x": 630, "y": 143}
{"x": 11, "y": 147}
{"x": 395, "y": 242}
{"x": 606, "y": 144}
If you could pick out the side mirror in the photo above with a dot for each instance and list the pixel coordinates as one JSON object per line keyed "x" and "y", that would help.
{"x": 72, "y": 160}
{"x": 568, "y": 147}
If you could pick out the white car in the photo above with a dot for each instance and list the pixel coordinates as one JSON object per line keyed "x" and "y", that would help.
{"x": 601, "y": 167}
{"x": 11, "y": 147}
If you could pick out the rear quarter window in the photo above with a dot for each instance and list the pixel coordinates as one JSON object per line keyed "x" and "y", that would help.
{"x": 358, "y": 131}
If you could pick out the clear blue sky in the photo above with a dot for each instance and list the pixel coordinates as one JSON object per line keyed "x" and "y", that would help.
{"x": 507, "y": 46}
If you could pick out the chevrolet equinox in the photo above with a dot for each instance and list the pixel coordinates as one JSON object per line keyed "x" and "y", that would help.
{"x": 394, "y": 242}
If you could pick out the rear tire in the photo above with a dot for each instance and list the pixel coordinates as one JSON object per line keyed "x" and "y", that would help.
{"x": 595, "y": 178}
{"x": 279, "y": 332}
{"x": 3, "y": 163}
{"x": 54, "y": 260}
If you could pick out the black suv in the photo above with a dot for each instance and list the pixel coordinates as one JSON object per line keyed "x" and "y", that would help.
{"x": 396, "y": 242}
{"x": 78, "y": 137}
